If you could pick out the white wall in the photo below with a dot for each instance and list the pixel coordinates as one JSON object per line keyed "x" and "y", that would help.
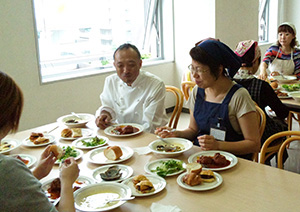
{"x": 194, "y": 20}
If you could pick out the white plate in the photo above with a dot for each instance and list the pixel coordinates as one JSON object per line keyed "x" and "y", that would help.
{"x": 15, "y": 144}
{"x": 232, "y": 158}
{"x": 31, "y": 159}
{"x": 98, "y": 193}
{"x": 159, "y": 184}
{"x": 126, "y": 171}
{"x": 109, "y": 130}
{"x": 284, "y": 78}
{"x": 85, "y": 118}
{"x": 97, "y": 155}
{"x": 84, "y": 181}
{"x": 78, "y": 143}
{"x": 204, "y": 186}
{"x": 29, "y": 143}
{"x": 186, "y": 144}
{"x": 79, "y": 155}
{"x": 84, "y": 132}
{"x": 153, "y": 164}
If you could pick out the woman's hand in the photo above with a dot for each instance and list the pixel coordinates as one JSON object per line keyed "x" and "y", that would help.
{"x": 166, "y": 132}
{"x": 263, "y": 75}
{"x": 69, "y": 171}
{"x": 208, "y": 142}
{"x": 45, "y": 164}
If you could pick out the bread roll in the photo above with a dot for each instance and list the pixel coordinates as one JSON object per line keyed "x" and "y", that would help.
{"x": 77, "y": 132}
{"x": 57, "y": 151}
{"x": 193, "y": 168}
{"x": 66, "y": 133}
{"x": 192, "y": 179}
{"x": 41, "y": 140}
{"x": 274, "y": 85}
{"x": 113, "y": 152}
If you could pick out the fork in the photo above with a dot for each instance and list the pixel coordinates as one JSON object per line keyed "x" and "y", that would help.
{"x": 121, "y": 199}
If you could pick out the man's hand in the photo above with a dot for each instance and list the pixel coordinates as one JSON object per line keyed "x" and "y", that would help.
{"x": 103, "y": 120}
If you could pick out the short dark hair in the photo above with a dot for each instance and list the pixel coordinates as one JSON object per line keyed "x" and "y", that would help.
{"x": 127, "y": 46}
{"x": 287, "y": 28}
{"x": 11, "y": 103}
{"x": 199, "y": 55}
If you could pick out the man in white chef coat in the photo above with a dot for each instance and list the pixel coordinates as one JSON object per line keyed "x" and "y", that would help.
{"x": 132, "y": 95}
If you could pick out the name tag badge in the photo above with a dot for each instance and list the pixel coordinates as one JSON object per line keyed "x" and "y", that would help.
{"x": 218, "y": 132}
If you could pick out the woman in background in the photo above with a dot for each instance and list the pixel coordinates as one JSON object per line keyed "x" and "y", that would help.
{"x": 21, "y": 189}
{"x": 223, "y": 115}
{"x": 283, "y": 57}
{"x": 261, "y": 91}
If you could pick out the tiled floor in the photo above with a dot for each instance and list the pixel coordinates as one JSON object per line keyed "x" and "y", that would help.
{"x": 292, "y": 163}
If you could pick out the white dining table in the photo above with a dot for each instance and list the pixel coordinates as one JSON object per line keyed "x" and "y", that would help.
{"x": 248, "y": 186}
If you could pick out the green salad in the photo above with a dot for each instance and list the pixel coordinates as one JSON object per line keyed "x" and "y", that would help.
{"x": 291, "y": 87}
{"x": 94, "y": 141}
{"x": 68, "y": 152}
{"x": 168, "y": 167}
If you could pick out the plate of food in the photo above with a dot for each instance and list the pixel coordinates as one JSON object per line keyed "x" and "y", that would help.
{"x": 94, "y": 197}
{"x": 75, "y": 120}
{"x": 165, "y": 167}
{"x": 90, "y": 142}
{"x": 74, "y": 133}
{"x": 8, "y": 144}
{"x": 145, "y": 185}
{"x": 284, "y": 78}
{"x": 214, "y": 160}
{"x": 170, "y": 146}
{"x": 28, "y": 160}
{"x": 65, "y": 152}
{"x": 124, "y": 130}
{"x": 110, "y": 155}
{"x": 112, "y": 173}
{"x": 52, "y": 186}
{"x": 290, "y": 87}
{"x": 199, "y": 182}
{"x": 38, "y": 139}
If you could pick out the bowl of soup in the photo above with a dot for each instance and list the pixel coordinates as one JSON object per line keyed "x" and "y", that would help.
{"x": 171, "y": 147}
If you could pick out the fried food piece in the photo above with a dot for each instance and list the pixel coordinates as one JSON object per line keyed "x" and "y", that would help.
{"x": 192, "y": 179}
{"x": 41, "y": 140}
{"x": 33, "y": 136}
{"x": 66, "y": 133}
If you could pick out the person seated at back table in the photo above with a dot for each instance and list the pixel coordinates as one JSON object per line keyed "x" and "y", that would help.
{"x": 132, "y": 95}
{"x": 21, "y": 189}
{"x": 261, "y": 91}
{"x": 223, "y": 115}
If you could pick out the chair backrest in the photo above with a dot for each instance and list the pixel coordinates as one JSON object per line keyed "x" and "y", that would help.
{"x": 282, "y": 148}
{"x": 178, "y": 106}
{"x": 186, "y": 87}
{"x": 262, "y": 124}
{"x": 269, "y": 148}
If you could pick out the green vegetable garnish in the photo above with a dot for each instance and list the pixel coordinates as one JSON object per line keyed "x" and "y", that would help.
{"x": 69, "y": 152}
{"x": 95, "y": 141}
{"x": 168, "y": 167}
{"x": 291, "y": 87}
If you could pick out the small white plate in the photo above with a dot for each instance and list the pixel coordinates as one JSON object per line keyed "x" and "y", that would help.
{"x": 27, "y": 142}
{"x": 284, "y": 78}
{"x": 97, "y": 155}
{"x": 31, "y": 159}
{"x": 156, "y": 163}
{"x": 15, "y": 144}
{"x": 78, "y": 143}
{"x": 81, "y": 181}
{"x": 110, "y": 130}
{"x": 204, "y": 186}
{"x": 232, "y": 158}
{"x": 92, "y": 197}
{"x": 79, "y": 155}
{"x": 85, "y": 118}
{"x": 126, "y": 171}
{"x": 159, "y": 184}
{"x": 84, "y": 132}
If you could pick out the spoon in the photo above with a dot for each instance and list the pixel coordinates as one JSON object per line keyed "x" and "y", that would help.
{"x": 121, "y": 199}
{"x": 74, "y": 114}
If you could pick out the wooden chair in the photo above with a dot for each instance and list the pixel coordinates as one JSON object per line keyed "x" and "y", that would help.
{"x": 283, "y": 146}
{"x": 185, "y": 87}
{"x": 292, "y": 116}
{"x": 267, "y": 150}
{"x": 262, "y": 124}
{"x": 178, "y": 106}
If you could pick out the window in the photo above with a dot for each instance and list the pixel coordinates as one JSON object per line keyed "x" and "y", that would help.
{"x": 267, "y": 31}
{"x": 78, "y": 37}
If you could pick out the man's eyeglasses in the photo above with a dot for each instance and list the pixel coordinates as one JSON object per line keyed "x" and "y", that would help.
{"x": 196, "y": 70}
